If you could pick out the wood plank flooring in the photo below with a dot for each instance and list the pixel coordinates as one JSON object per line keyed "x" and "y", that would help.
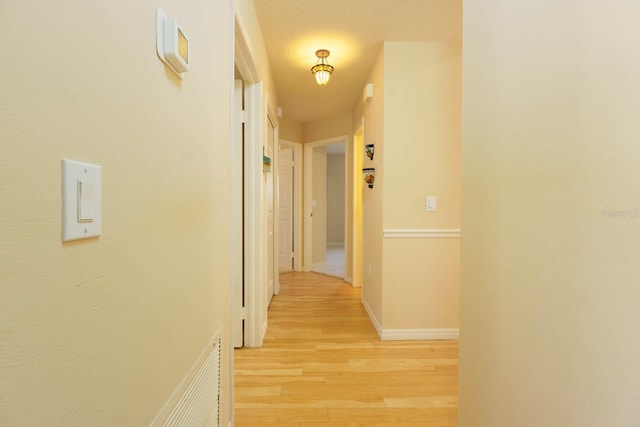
{"x": 322, "y": 364}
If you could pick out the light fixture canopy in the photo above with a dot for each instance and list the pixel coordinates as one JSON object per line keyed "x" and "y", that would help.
{"x": 322, "y": 70}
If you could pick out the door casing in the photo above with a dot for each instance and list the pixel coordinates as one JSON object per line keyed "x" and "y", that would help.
{"x": 297, "y": 202}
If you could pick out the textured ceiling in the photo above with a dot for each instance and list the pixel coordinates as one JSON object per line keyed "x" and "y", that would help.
{"x": 353, "y": 30}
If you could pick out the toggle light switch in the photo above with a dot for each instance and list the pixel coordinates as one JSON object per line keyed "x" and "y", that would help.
{"x": 86, "y": 200}
{"x": 81, "y": 200}
{"x": 431, "y": 204}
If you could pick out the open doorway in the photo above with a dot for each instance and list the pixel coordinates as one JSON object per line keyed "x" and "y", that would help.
{"x": 330, "y": 233}
{"x": 325, "y": 206}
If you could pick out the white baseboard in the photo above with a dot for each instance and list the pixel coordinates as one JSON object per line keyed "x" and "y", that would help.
{"x": 409, "y": 334}
{"x": 419, "y": 334}
{"x": 372, "y": 316}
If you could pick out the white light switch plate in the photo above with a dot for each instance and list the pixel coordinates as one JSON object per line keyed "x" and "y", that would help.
{"x": 81, "y": 219}
{"x": 431, "y": 204}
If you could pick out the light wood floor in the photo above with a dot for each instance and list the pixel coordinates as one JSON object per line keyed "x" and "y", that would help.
{"x": 323, "y": 364}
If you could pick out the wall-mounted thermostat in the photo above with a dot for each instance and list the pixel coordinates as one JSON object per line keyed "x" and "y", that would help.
{"x": 172, "y": 44}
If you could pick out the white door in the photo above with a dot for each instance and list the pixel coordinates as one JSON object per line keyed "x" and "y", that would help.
{"x": 236, "y": 255}
{"x": 285, "y": 199}
{"x": 270, "y": 194}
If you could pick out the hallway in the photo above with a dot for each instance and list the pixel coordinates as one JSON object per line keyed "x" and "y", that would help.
{"x": 334, "y": 264}
{"x": 323, "y": 364}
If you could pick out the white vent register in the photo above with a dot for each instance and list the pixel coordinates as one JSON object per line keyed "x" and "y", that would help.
{"x": 196, "y": 401}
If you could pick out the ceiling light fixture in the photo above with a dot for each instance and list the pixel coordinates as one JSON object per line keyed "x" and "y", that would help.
{"x": 322, "y": 69}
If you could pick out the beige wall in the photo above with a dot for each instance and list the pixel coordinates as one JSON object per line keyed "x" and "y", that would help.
{"x": 291, "y": 130}
{"x": 372, "y": 202}
{"x": 335, "y": 198}
{"x": 422, "y": 118}
{"x": 319, "y": 211}
{"x": 421, "y": 278}
{"x": 551, "y": 184}
{"x": 414, "y": 121}
{"x": 248, "y": 20}
{"x": 350, "y": 227}
{"x": 422, "y": 104}
{"x": 337, "y": 125}
{"x": 102, "y": 331}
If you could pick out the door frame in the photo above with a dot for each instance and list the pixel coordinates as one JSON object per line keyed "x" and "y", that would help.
{"x": 357, "y": 152}
{"x": 297, "y": 200}
{"x": 308, "y": 190}
{"x": 272, "y": 121}
{"x": 236, "y": 231}
{"x": 254, "y": 314}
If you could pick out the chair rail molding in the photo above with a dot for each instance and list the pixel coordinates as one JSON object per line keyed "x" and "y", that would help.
{"x": 421, "y": 233}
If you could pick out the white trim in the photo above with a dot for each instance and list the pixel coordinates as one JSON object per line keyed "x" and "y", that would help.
{"x": 255, "y": 113}
{"x": 419, "y": 334}
{"x": 275, "y": 279}
{"x": 421, "y": 232}
{"x": 243, "y": 57}
{"x": 372, "y": 316}
{"x": 236, "y": 215}
{"x": 297, "y": 201}
{"x": 235, "y": 209}
{"x": 273, "y": 116}
{"x": 255, "y": 290}
{"x": 409, "y": 334}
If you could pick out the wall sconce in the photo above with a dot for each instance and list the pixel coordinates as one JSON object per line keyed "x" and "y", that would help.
{"x": 369, "y": 149}
{"x": 368, "y": 174}
{"x": 322, "y": 70}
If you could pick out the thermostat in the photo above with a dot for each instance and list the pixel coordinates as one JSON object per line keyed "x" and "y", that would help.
{"x": 172, "y": 44}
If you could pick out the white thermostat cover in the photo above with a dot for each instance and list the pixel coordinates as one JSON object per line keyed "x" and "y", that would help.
{"x": 172, "y": 44}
